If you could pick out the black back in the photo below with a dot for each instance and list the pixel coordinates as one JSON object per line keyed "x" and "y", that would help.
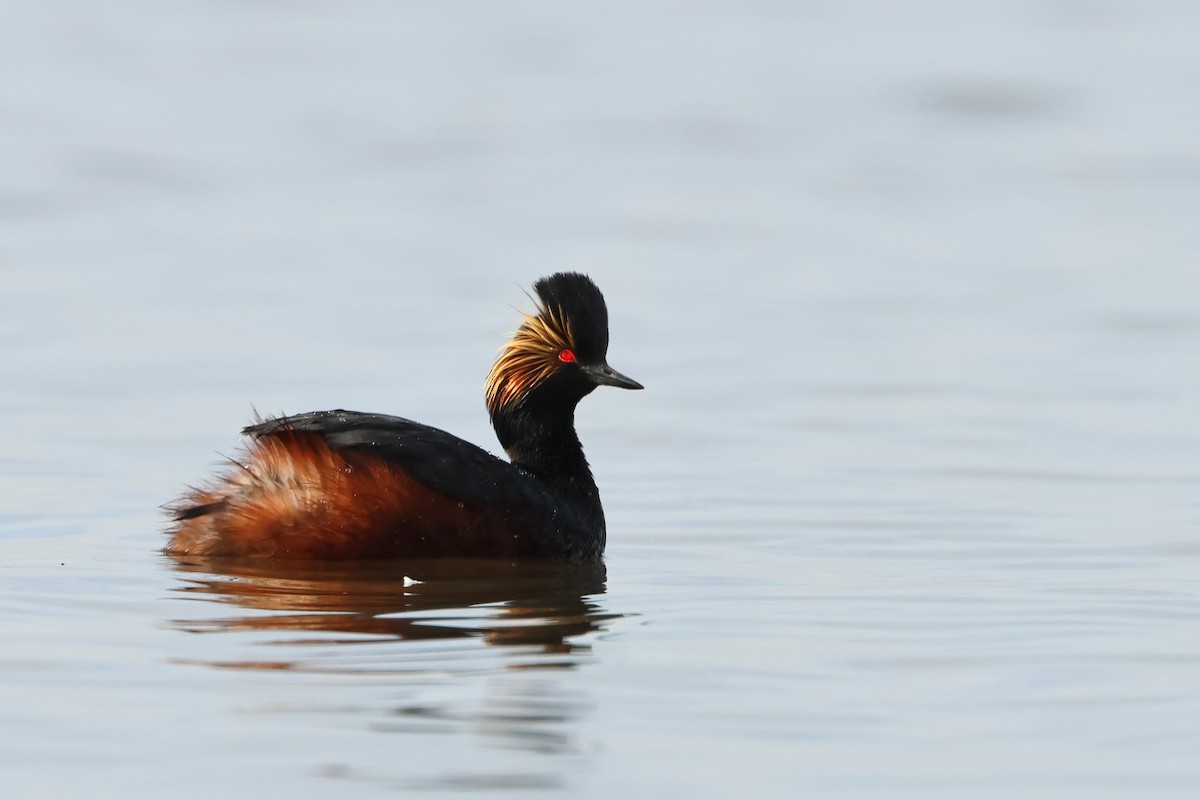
{"x": 435, "y": 458}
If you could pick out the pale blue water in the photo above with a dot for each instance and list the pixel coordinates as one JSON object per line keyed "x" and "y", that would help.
{"x": 910, "y": 506}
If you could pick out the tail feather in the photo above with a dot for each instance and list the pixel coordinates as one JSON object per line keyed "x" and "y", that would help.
{"x": 193, "y": 511}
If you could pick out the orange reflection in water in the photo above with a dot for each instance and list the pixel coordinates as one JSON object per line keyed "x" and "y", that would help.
{"x": 542, "y": 604}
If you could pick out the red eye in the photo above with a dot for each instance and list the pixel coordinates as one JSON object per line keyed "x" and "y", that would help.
{"x": 566, "y": 356}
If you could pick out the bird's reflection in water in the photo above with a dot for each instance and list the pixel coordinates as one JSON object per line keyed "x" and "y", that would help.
{"x": 544, "y": 606}
{"x": 448, "y": 653}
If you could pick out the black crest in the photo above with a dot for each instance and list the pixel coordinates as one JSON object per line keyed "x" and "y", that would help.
{"x": 573, "y": 298}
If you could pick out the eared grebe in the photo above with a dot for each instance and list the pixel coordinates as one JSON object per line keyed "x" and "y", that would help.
{"x": 344, "y": 484}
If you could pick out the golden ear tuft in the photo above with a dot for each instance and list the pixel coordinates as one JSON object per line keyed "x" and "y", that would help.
{"x": 529, "y": 357}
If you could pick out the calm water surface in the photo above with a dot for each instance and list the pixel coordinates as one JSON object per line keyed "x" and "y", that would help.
{"x": 909, "y": 508}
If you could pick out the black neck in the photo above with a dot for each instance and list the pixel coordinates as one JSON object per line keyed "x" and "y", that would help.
{"x": 540, "y": 440}
{"x": 538, "y": 434}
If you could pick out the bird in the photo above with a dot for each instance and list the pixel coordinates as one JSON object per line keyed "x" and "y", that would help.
{"x": 339, "y": 485}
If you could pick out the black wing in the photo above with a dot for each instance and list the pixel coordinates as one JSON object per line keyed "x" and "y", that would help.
{"x": 440, "y": 460}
